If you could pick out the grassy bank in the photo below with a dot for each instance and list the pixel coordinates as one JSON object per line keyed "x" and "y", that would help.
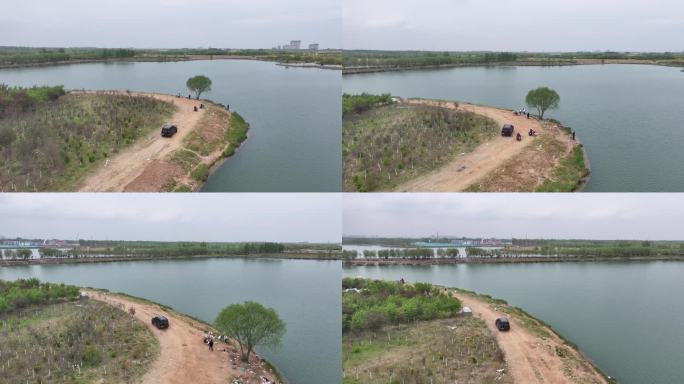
{"x": 50, "y": 140}
{"x": 416, "y": 344}
{"x": 218, "y": 136}
{"x": 385, "y": 145}
{"x": 81, "y": 341}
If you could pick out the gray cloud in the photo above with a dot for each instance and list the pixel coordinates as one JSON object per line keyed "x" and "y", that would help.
{"x": 173, "y": 217}
{"x": 589, "y": 216}
{"x": 500, "y": 25}
{"x": 170, "y": 23}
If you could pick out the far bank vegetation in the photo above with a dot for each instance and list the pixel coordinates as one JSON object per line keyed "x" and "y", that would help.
{"x": 385, "y": 143}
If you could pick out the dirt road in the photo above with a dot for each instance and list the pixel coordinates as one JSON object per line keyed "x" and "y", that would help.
{"x": 467, "y": 169}
{"x": 184, "y": 358}
{"x": 530, "y": 358}
{"x": 116, "y": 173}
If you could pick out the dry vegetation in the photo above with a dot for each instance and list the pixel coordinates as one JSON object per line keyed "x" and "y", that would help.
{"x": 390, "y": 144}
{"x": 458, "y": 350}
{"x": 50, "y": 143}
{"x": 412, "y": 334}
{"x": 74, "y": 341}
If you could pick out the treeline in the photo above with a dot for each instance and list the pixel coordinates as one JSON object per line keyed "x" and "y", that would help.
{"x": 25, "y": 292}
{"x": 420, "y": 253}
{"x": 325, "y": 57}
{"x": 363, "y": 102}
{"x": 389, "y": 145}
{"x": 14, "y": 254}
{"x": 24, "y": 55}
{"x": 400, "y": 59}
{"x": 607, "y": 55}
{"x": 48, "y": 141}
{"x": 161, "y": 250}
{"x": 372, "y": 304}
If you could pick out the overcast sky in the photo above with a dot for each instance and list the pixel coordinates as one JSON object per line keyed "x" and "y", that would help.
{"x": 173, "y": 217}
{"x": 562, "y": 216}
{"x": 169, "y": 23}
{"x": 514, "y": 25}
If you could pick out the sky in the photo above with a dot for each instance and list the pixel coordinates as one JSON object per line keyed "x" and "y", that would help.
{"x": 312, "y": 217}
{"x": 602, "y": 216}
{"x": 514, "y": 25}
{"x": 169, "y": 23}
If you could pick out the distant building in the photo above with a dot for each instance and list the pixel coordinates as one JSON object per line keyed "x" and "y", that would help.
{"x": 313, "y": 47}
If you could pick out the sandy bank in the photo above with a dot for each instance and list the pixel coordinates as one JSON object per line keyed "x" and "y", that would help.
{"x": 539, "y": 356}
{"x": 184, "y": 358}
{"x": 146, "y": 165}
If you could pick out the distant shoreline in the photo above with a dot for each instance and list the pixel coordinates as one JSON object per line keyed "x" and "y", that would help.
{"x": 507, "y": 260}
{"x": 167, "y": 59}
{"x": 112, "y": 258}
{"x": 522, "y": 63}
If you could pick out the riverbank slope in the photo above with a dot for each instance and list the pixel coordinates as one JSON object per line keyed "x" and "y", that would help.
{"x": 533, "y": 352}
{"x": 184, "y": 358}
{"x": 179, "y": 163}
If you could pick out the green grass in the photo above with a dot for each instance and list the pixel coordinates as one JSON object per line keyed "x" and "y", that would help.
{"x": 388, "y": 145}
{"x": 185, "y": 158}
{"x": 74, "y": 342}
{"x": 567, "y": 176}
{"x": 54, "y": 144}
{"x": 363, "y": 102}
{"x": 200, "y": 173}
{"x": 236, "y": 134}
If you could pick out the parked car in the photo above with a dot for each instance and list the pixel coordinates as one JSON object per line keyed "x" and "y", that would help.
{"x": 168, "y": 130}
{"x": 507, "y": 130}
{"x": 502, "y": 324}
{"x": 160, "y": 322}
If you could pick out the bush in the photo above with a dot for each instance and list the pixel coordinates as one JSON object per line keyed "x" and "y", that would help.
{"x": 200, "y": 173}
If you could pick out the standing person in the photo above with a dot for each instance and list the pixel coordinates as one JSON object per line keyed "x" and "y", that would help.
{"x": 211, "y": 344}
{"x": 573, "y": 135}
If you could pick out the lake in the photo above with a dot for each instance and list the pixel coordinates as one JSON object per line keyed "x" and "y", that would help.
{"x": 629, "y": 117}
{"x": 294, "y": 113}
{"x": 306, "y": 294}
{"x": 626, "y": 317}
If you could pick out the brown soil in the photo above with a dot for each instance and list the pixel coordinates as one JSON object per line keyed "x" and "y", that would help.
{"x": 157, "y": 176}
{"x": 184, "y": 358}
{"x": 123, "y": 169}
{"x": 470, "y": 167}
{"x": 531, "y": 358}
{"x": 532, "y": 166}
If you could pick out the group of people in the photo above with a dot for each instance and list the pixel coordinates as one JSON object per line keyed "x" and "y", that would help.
{"x": 201, "y": 106}
{"x": 523, "y": 112}
{"x": 532, "y": 132}
{"x": 209, "y": 338}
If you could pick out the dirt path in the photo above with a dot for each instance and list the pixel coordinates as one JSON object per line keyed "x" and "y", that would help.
{"x": 467, "y": 169}
{"x": 184, "y": 358}
{"x": 116, "y": 173}
{"x": 530, "y": 358}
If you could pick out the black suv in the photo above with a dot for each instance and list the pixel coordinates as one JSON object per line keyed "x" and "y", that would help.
{"x": 169, "y": 130}
{"x": 160, "y": 322}
{"x": 502, "y": 324}
{"x": 507, "y": 130}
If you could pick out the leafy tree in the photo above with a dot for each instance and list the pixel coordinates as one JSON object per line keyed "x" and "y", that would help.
{"x": 198, "y": 85}
{"x": 543, "y": 99}
{"x": 251, "y": 324}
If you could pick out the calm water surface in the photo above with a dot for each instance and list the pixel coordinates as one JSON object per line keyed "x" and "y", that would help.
{"x": 629, "y": 117}
{"x": 305, "y": 293}
{"x": 294, "y": 113}
{"x": 627, "y": 317}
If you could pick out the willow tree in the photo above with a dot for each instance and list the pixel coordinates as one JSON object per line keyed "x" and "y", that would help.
{"x": 543, "y": 99}
{"x": 250, "y": 324}
{"x": 198, "y": 85}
